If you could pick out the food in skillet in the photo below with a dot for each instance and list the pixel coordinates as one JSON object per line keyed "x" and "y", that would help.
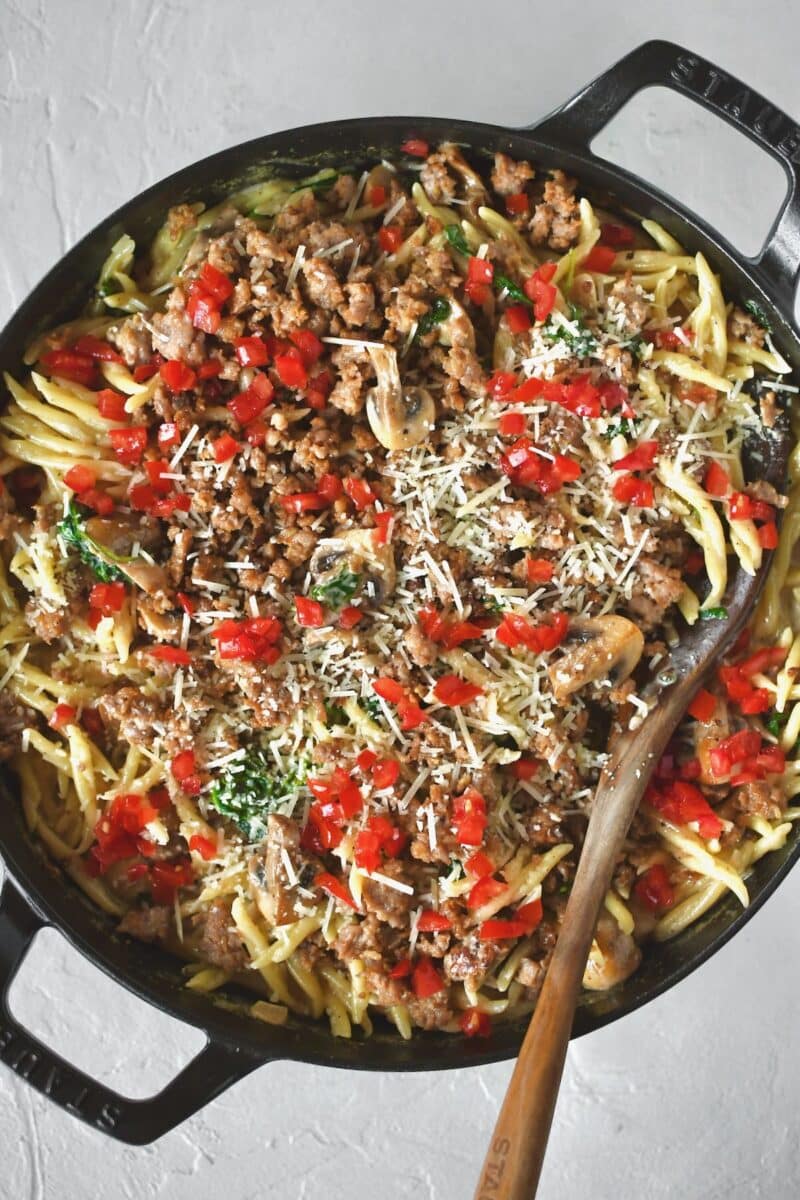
{"x": 338, "y": 536}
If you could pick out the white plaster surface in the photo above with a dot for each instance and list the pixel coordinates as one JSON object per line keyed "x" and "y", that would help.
{"x": 695, "y": 1097}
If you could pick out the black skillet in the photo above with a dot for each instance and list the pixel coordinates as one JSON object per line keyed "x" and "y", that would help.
{"x": 36, "y": 894}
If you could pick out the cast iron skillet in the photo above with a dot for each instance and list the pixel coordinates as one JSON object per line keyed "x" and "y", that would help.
{"x": 37, "y": 894}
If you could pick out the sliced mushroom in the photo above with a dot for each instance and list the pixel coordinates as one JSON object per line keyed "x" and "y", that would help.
{"x": 613, "y": 957}
{"x": 165, "y": 627}
{"x": 457, "y": 329}
{"x": 607, "y": 647}
{"x": 113, "y": 541}
{"x": 474, "y": 187}
{"x": 398, "y": 419}
{"x": 354, "y": 550}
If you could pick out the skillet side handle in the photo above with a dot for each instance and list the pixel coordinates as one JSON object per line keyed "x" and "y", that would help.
{"x": 136, "y": 1122}
{"x": 665, "y": 64}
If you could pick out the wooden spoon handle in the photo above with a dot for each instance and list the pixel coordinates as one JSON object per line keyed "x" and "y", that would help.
{"x": 513, "y": 1164}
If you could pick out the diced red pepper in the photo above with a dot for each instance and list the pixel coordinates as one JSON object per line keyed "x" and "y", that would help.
{"x": 167, "y": 878}
{"x": 147, "y": 370}
{"x": 668, "y": 339}
{"x": 600, "y": 259}
{"x": 480, "y": 274}
{"x": 99, "y": 500}
{"x": 156, "y": 469}
{"x": 309, "y": 612}
{"x": 203, "y": 846}
{"x": 530, "y": 915}
{"x": 225, "y": 448}
{"x": 291, "y": 368}
{"x": 517, "y": 630}
{"x": 388, "y": 689}
{"x": 334, "y": 887}
{"x": 300, "y": 502}
{"x": 500, "y": 383}
{"x": 184, "y": 772}
{"x": 385, "y": 773}
{"x": 129, "y": 444}
{"x": 97, "y": 348}
{"x": 684, "y": 804}
{"x": 484, "y": 890}
{"x": 425, "y": 979}
{"x": 216, "y": 283}
{"x": 717, "y": 481}
{"x": 524, "y": 769}
{"x": 67, "y": 364}
{"x": 538, "y": 570}
{"x": 107, "y": 598}
{"x": 654, "y": 890}
{"x": 401, "y": 970}
{"x": 630, "y": 490}
{"x": 498, "y": 930}
{"x": 703, "y": 706}
{"x": 247, "y": 405}
{"x": 350, "y": 616}
{"x": 517, "y": 204}
{"x": 202, "y": 309}
{"x": 381, "y": 534}
{"x": 768, "y": 536}
{"x": 447, "y": 632}
{"x": 512, "y": 424}
{"x": 469, "y": 818}
{"x": 416, "y": 147}
{"x": 111, "y": 405}
{"x": 640, "y": 459}
{"x": 310, "y": 347}
{"x": 479, "y": 865}
{"x": 390, "y": 238}
{"x": 209, "y": 369}
{"x": 367, "y": 851}
{"x": 320, "y": 834}
{"x": 171, "y": 654}
{"x": 251, "y": 351}
{"x": 376, "y": 196}
{"x": 80, "y": 478}
{"x": 433, "y": 922}
{"x": 168, "y": 435}
{"x": 359, "y": 492}
{"x": 63, "y": 715}
{"x": 543, "y": 293}
{"x": 187, "y": 604}
{"x": 474, "y": 1023}
{"x": 618, "y": 236}
{"x": 177, "y": 376}
{"x": 740, "y": 507}
{"x": 518, "y": 319}
{"x": 453, "y": 691}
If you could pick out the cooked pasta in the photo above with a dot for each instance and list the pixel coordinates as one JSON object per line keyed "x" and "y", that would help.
{"x": 339, "y": 534}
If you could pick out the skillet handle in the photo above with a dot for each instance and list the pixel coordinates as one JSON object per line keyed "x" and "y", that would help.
{"x": 136, "y": 1122}
{"x": 665, "y": 64}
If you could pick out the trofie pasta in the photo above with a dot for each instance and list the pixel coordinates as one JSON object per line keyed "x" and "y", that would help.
{"x": 340, "y": 532}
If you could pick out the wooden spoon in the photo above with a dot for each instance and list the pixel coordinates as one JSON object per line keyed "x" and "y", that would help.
{"x": 514, "y": 1161}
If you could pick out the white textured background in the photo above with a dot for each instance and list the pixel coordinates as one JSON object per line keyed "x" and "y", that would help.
{"x": 695, "y": 1097}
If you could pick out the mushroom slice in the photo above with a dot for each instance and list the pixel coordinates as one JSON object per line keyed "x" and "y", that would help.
{"x": 355, "y": 552}
{"x": 607, "y": 647}
{"x": 613, "y": 957}
{"x": 474, "y": 187}
{"x": 457, "y": 329}
{"x": 398, "y": 419}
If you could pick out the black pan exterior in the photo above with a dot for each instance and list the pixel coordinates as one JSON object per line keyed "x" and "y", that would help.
{"x": 238, "y": 1043}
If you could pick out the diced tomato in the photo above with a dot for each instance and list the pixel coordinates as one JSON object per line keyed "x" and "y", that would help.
{"x": 309, "y": 612}
{"x": 97, "y": 499}
{"x": 480, "y": 274}
{"x": 425, "y": 979}
{"x": 703, "y": 706}
{"x": 184, "y": 772}
{"x": 614, "y": 395}
{"x": 411, "y": 715}
{"x": 473, "y": 1022}
{"x": 147, "y": 370}
{"x": 479, "y": 865}
{"x": 388, "y": 689}
{"x": 381, "y": 534}
{"x": 205, "y": 847}
{"x": 517, "y": 204}
{"x": 500, "y": 383}
{"x": 453, "y": 691}
{"x": 225, "y": 447}
{"x": 310, "y": 347}
{"x": 202, "y": 309}
{"x": 156, "y": 469}
{"x": 530, "y": 915}
{"x": 366, "y": 759}
{"x": 737, "y": 748}
{"x": 668, "y": 339}
{"x": 763, "y": 660}
{"x": 484, "y": 890}
{"x": 186, "y": 603}
{"x": 600, "y": 259}
{"x": 630, "y": 490}
{"x": 171, "y": 654}
{"x": 617, "y": 236}
{"x": 401, "y": 970}
{"x": 107, "y": 598}
{"x": 67, "y": 364}
{"x": 209, "y": 369}
{"x": 334, "y": 887}
{"x": 416, "y": 147}
{"x": 291, "y": 368}
{"x": 216, "y": 283}
{"x": 63, "y": 715}
{"x": 168, "y": 435}
{"x": 385, "y": 773}
{"x": 640, "y": 459}
{"x": 350, "y": 616}
{"x": 167, "y": 879}
{"x": 390, "y": 238}
{"x": 717, "y": 481}
{"x": 129, "y": 444}
{"x": 512, "y": 424}
{"x": 517, "y": 630}
{"x": 768, "y": 536}
{"x": 177, "y": 376}
{"x": 538, "y": 570}
{"x": 376, "y": 196}
{"x": 449, "y": 633}
{"x": 518, "y": 318}
{"x": 359, "y": 492}
{"x": 524, "y": 769}
{"x": 97, "y": 348}
{"x": 300, "y": 502}
{"x": 654, "y": 890}
{"x": 320, "y": 834}
{"x": 111, "y": 405}
{"x": 247, "y": 405}
{"x": 497, "y": 930}
{"x": 251, "y": 351}
{"x": 80, "y": 478}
